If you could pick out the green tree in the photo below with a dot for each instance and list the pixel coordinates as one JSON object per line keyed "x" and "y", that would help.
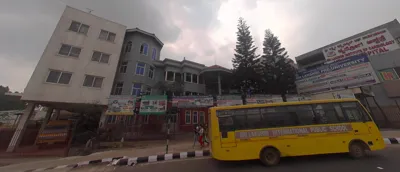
{"x": 277, "y": 69}
{"x": 245, "y": 61}
{"x": 9, "y": 102}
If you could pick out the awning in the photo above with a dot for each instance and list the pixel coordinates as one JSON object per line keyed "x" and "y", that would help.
{"x": 153, "y": 105}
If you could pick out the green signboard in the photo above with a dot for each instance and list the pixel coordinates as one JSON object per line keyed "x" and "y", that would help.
{"x": 153, "y": 105}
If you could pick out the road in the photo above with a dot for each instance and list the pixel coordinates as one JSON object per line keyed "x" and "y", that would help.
{"x": 385, "y": 160}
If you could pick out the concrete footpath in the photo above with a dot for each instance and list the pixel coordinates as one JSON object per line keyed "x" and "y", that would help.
{"x": 142, "y": 149}
{"x": 149, "y": 148}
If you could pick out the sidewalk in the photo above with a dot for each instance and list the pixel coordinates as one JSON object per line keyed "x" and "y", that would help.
{"x": 147, "y": 148}
{"x": 395, "y": 133}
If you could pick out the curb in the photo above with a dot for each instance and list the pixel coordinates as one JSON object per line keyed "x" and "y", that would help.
{"x": 164, "y": 157}
{"x": 390, "y": 141}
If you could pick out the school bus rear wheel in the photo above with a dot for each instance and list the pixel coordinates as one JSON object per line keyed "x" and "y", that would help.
{"x": 270, "y": 156}
{"x": 357, "y": 150}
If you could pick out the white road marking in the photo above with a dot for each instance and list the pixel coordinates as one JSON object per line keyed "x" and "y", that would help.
{"x": 176, "y": 160}
{"x": 380, "y": 168}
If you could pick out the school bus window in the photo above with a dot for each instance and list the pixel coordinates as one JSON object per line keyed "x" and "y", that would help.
{"x": 305, "y": 114}
{"x": 239, "y": 122}
{"x": 254, "y": 119}
{"x": 277, "y": 117}
{"x": 339, "y": 112}
{"x": 325, "y": 114}
{"x": 226, "y": 124}
{"x": 352, "y": 112}
{"x": 363, "y": 113}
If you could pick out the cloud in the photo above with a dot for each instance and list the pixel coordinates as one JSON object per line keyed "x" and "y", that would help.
{"x": 200, "y": 30}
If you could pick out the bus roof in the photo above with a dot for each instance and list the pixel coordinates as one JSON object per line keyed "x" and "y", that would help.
{"x": 284, "y": 104}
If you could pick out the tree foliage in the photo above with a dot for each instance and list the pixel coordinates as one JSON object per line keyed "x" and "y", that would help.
{"x": 278, "y": 71}
{"x": 245, "y": 61}
{"x": 9, "y": 102}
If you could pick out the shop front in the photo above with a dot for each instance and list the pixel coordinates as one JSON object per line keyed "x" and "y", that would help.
{"x": 192, "y": 111}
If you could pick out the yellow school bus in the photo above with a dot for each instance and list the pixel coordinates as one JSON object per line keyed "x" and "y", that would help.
{"x": 271, "y": 131}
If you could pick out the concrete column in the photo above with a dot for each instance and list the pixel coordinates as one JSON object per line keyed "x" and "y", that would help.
{"x": 219, "y": 84}
{"x": 56, "y": 115}
{"x": 20, "y": 130}
{"x": 45, "y": 120}
{"x": 103, "y": 119}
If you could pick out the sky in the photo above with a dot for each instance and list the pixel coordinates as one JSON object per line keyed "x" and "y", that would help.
{"x": 203, "y": 31}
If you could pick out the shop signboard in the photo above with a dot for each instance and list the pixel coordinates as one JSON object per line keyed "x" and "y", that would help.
{"x": 297, "y": 98}
{"x": 121, "y": 105}
{"x": 263, "y": 99}
{"x": 153, "y": 105}
{"x": 371, "y": 44}
{"x": 192, "y": 101}
{"x": 350, "y": 72}
{"x": 231, "y": 100}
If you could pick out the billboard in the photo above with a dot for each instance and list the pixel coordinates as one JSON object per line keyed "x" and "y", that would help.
{"x": 231, "y": 100}
{"x": 121, "y": 105}
{"x": 262, "y": 99}
{"x": 153, "y": 105}
{"x": 350, "y": 72}
{"x": 192, "y": 101}
{"x": 375, "y": 43}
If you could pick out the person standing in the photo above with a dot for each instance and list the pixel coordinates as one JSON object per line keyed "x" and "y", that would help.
{"x": 201, "y": 135}
{"x": 195, "y": 134}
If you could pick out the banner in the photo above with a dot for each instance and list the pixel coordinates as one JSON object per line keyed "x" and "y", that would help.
{"x": 154, "y": 105}
{"x": 371, "y": 44}
{"x": 263, "y": 99}
{"x": 351, "y": 72}
{"x": 297, "y": 98}
{"x": 192, "y": 101}
{"x": 121, "y": 105}
{"x": 229, "y": 100}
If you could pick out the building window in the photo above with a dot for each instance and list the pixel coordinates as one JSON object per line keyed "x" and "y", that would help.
{"x": 146, "y": 119}
{"x": 122, "y": 68}
{"x": 194, "y": 78}
{"x": 188, "y": 77}
{"x": 195, "y": 119}
{"x": 188, "y": 117}
{"x": 69, "y": 50}
{"x": 140, "y": 68}
{"x": 100, "y": 57}
{"x": 201, "y": 79}
{"x": 154, "y": 54}
{"x": 188, "y": 93}
{"x": 144, "y": 49}
{"x": 178, "y": 77}
{"x": 128, "y": 47}
{"x": 107, "y": 36}
{"x": 136, "y": 89}
{"x": 118, "y": 88}
{"x": 59, "y": 77}
{"x": 79, "y": 27}
{"x": 170, "y": 76}
{"x": 93, "y": 81}
{"x": 202, "y": 117}
{"x": 151, "y": 72}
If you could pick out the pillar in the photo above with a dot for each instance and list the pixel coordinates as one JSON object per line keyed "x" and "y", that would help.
{"x": 219, "y": 84}
{"x": 103, "y": 119}
{"x": 46, "y": 120}
{"x": 20, "y": 130}
{"x": 56, "y": 115}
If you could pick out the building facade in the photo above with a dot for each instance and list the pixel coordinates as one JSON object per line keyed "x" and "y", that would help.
{"x": 380, "y": 47}
{"x": 79, "y": 63}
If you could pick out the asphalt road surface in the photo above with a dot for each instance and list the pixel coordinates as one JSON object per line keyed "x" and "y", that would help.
{"x": 385, "y": 160}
